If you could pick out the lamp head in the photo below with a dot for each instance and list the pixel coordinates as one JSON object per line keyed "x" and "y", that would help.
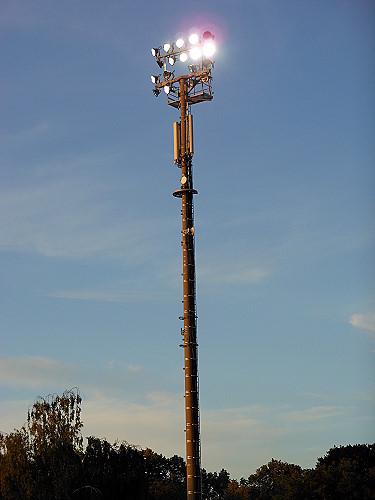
{"x": 194, "y": 38}
{"x": 207, "y": 64}
{"x": 180, "y": 43}
{"x": 197, "y": 52}
{"x": 209, "y": 49}
{"x": 193, "y": 68}
{"x": 168, "y": 75}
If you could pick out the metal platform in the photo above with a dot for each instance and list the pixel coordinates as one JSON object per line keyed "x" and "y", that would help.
{"x": 179, "y": 192}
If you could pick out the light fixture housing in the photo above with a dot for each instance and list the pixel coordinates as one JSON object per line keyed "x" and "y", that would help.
{"x": 195, "y": 52}
{"x": 156, "y": 92}
{"x": 168, "y": 75}
{"x": 207, "y": 63}
{"x": 180, "y": 43}
{"x": 193, "y": 68}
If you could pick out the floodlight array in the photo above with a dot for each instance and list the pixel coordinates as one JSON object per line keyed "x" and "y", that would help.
{"x": 196, "y": 50}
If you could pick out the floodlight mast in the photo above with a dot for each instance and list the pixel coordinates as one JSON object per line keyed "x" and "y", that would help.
{"x": 182, "y": 92}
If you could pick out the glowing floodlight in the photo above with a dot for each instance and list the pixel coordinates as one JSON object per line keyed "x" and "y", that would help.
{"x": 180, "y": 43}
{"x": 155, "y": 52}
{"x": 183, "y": 57}
{"x": 208, "y": 49}
{"x": 171, "y": 60}
{"x": 193, "y": 39}
{"x": 195, "y": 53}
{"x": 167, "y": 47}
{"x": 167, "y": 89}
{"x": 155, "y": 78}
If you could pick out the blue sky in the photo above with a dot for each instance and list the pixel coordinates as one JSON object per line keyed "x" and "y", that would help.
{"x": 90, "y": 276}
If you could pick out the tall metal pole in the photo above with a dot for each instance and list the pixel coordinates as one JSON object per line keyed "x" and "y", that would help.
{"x": 182, "y": 92}
{"x": 194, "y": 481}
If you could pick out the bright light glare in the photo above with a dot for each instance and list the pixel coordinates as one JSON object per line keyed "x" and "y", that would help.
{"x": 194, "y": 38}
{"x": 171, "y": 60}
{"x": 154, "y": 78}
{"x": 167, "y": 89}
{"x": 183, "y": 57}
{"x": 180, "y": 43}
{"x": 195, "y": 53}
{"x": 208, "y": 49}
{"x": 166, "y": 47}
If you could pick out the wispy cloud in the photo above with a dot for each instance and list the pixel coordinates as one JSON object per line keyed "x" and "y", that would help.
{"x": 231, "y": 273}
{"x": 245, "y": 275}
{"x": 57, "y": 220}
{"x": 34, "y": 372}
{"x": 250, "y": 436}
{"x": 13, "y": 413}
{"x": 66, "y": 211}
{"x": 364, "y": 321}
{"x": 157, "y": 422}
{"x": 131, "y": 368}
{"x": 25, "y": 135}
{"x": 269, "y": 421}
{"x": 314, "y": 395}
{"x": 42, "y": 373}
{"x": 108, "y": 296}
{"x": 313, "y": 414}
{"x": 244, "y": 436}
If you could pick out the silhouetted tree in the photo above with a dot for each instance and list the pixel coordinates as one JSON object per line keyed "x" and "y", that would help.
{"x": 125, "y": 471}
{"x": 167, "y": 477}
{"x": 278, "y": 480}
{"x": 214, "y": 484}
{"x": 346, "y": 472}
{"x": 54, "y": 430}
{"x": 42, "y": 459}
{"x": 237, "y": 490}
{"x": 16, "y": 481}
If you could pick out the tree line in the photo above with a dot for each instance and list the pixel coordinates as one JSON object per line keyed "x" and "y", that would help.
{"x": 45, "y": 459}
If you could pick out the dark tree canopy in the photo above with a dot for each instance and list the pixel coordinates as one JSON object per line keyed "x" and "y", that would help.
{"x": 45, "y": 459}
